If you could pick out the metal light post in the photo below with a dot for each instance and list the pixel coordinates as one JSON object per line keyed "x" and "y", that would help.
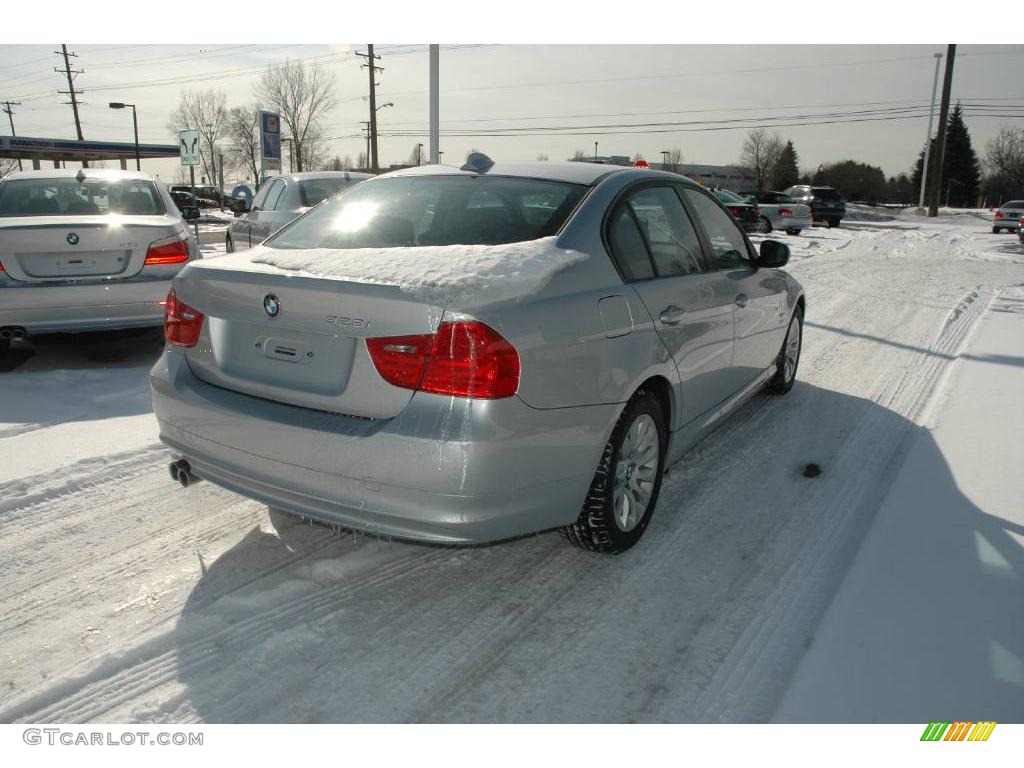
{"x": 664, "y": 159}
{"x": 419, "y": 154}
{"x": 595, "y": 151}
{"x": 928, "y": 138}
{"x": 135, "y": 125}
{"x": 389, "y": 104}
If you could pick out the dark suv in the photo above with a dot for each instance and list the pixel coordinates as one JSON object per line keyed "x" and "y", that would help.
{"x": 826, "y": 203}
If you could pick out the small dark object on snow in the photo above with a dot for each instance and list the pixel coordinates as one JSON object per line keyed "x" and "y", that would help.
{"x": 812, "y": 470}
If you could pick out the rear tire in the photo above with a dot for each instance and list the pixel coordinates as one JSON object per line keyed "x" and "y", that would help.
{"x": 764, "y": 226}
{"x": 611, "y": 520}
{"x": 995, "y": 230}
{"x": 788, "y": 359}
{"x": 793, "y": 231}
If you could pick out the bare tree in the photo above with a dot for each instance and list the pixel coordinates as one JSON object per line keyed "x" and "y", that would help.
{"x": 7, "y": 166}
{"x": 302, "y": 94}
{"x": 542, "y": 157}
{"x": 760, "y": 153}
{"x": 337, "y": 163}
{"x": 579, "y": 156}
{"x": 242, "y": 129}
{"x": 416, "y": 155}
{"x": 674, "y": 160}
{"x": 1004, "y": 164}
{"x": 361, "y": 161}
{"x": 206, "y": 112}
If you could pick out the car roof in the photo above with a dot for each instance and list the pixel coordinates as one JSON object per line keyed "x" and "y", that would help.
{"x": 311, "y": 175}
{"x": 90, "y": 173}
{"x": 569, "y": 172}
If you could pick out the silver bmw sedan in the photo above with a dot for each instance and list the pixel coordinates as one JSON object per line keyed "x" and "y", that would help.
{"x": 470, "y": 354}
{"x": 87, "y": 249}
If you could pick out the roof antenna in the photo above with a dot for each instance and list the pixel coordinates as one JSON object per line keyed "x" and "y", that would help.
{"x": 477, "y": 162}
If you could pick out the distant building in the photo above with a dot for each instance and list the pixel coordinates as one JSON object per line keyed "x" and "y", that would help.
{"x": 717, "y": 176}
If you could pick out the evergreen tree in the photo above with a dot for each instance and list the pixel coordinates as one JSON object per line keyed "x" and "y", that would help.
{"x": 960, "y": 168}
{"x": 786, "y": 173}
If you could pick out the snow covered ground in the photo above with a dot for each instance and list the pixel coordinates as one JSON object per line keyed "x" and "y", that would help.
{"x": 125, "y": 598}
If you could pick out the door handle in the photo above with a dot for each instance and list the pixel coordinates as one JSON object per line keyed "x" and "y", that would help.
{"x": 672, "y": 315}
{"x": 741, "y": 300}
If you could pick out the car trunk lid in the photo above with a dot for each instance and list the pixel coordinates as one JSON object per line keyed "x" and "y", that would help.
{"x": 55, "y": 248}
{"x": 298, "y": 340}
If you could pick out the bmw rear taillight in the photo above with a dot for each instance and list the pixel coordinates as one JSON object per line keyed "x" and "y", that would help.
{"x": 182, "y": 324}
{"x": 999, "y": 214}
{"x": 172, "y": 250}
{"x": 1, "y": 266}
{"x": 465, "y": 358}
{"x": 785, "y": 212}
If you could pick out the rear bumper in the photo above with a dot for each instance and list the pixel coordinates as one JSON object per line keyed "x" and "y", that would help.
{"x": 52, "y": 308}
{"x": 824, "y": 214}
{"x": 446, "y": 470}
{"x": 790, "y": 222}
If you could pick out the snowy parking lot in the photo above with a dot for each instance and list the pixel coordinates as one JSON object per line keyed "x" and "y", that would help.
{"x": 757, "y": 593}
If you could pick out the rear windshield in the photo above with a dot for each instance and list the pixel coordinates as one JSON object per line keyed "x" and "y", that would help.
{"x": 1014, "y": 204}
{"x": 434, "y": 210}
{"x": 728, "y": 197}
{"x": 315, "y": 191}
{"x": 825, "y": 193}
{"x": 70, "y": 197}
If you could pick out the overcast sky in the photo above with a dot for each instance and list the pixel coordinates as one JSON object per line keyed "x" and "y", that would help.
{"x": 553, "y": 90}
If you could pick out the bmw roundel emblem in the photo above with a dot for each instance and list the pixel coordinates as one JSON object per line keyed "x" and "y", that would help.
{"x": 271, "y": 305}
{"x": 72, "y": 238}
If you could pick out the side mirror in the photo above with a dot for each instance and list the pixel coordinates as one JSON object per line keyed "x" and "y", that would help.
{"x": 190, "y": 213}
{"x": 773, "y": 254}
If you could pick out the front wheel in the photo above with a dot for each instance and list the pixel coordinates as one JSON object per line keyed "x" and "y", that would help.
{"x": 793, "y": 231}
{"x": 764, "y": 226}
{"x": 625, "y": 487}
{"x": 789, "y": 356}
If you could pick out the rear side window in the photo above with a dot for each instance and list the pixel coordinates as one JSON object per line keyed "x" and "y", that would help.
{"x": 315, "y": 191}
{"x": 628, "y": 246}
{"x": 668, "y": 231}
{"x": 1014, "y": 204}
{"x": 70, "y": 197}
{"x": 274, "y": 195}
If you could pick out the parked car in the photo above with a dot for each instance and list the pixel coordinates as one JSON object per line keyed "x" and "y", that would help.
{"x": 466, "y": 355}
{"x": 746, "y": 213}
{"x": 87, "y": 249}
{"x": 826, "y": 203}
{"x": 283, "y": 198}
{"x": 206, "y": 196}
{"x": 183, "y": 200}
{"x": 1008, "y": 216}
{"x": 779, "y": 211}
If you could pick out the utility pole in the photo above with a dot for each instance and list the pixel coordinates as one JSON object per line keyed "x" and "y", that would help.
{"x": 928, "y": 138}
{"x": 373, "y": 69}
{"x": 69, "y": 72}
{"x": 10, "y": 116}
{"x": 940, "y": 143}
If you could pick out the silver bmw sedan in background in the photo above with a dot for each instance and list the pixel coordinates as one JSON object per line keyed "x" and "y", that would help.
{"x": 469, "y": 354}
{"x": 87, "y": 249}
{"x": 283, "y": 198}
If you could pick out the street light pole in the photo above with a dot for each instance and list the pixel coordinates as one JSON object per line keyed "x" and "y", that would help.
{"x": 664, "y": 159}
{"x": 135, "y": 125}
{"x": 419, "y": 154}
{"x": 928, "y": 138}
{"x": 595, "y": 151}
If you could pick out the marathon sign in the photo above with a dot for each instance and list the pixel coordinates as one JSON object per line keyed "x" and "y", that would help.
{"x": 33, "y": 147}
{"x": 270, "y": 140}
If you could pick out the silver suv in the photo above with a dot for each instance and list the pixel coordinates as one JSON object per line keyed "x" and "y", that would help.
{"x": 466, "y": 355}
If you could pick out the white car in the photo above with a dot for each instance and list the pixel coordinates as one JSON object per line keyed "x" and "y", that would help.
{"x": 283, "y": 199}
{"x": 1008, "y": 217}
{"x": 87, "y": 249}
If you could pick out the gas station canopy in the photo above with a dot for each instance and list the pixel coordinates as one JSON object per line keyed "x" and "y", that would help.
{"x": 37, "y": 149}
